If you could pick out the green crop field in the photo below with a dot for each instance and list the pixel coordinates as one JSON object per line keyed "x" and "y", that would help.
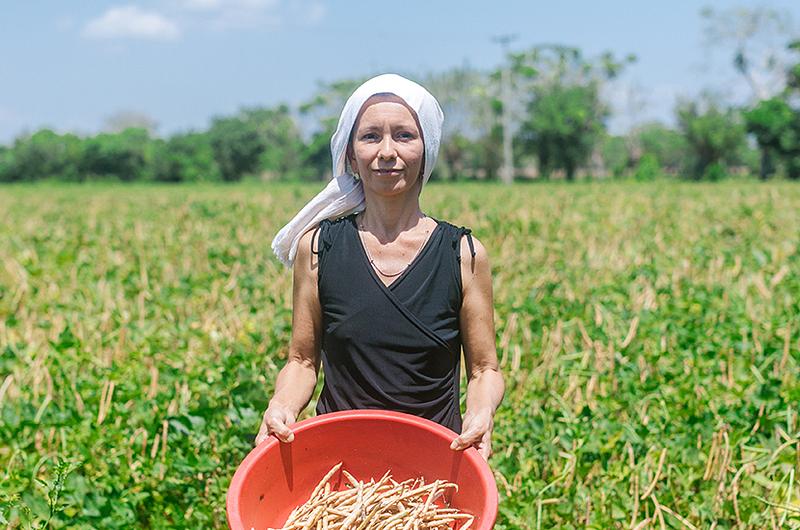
{"x": 649, "y": 335}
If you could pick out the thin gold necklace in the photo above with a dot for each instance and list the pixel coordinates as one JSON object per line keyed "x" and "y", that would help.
{"x": 375, "y": 265}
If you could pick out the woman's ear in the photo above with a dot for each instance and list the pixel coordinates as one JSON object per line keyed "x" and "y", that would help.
{"x": 350, "y": 156}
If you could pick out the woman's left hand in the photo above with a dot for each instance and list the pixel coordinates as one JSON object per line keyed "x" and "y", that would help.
{"x": 476, "y": 431}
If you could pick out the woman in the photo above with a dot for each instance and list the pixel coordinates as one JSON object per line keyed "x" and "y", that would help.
{"x": 381, "y": 295}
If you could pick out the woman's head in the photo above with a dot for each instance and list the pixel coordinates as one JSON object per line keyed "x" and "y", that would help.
{"x": 344, "y": 194}
{"x": 422, "y": 106}
{"x": 386, "y": 148}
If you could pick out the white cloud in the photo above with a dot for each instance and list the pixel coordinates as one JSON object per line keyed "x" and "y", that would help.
{"x": 131, "y": 22}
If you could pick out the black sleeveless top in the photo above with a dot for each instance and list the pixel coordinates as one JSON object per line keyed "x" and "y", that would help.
{"x": 395, "y": 347}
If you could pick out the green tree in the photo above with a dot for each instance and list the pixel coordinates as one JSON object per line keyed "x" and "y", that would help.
{"x": 565, "y": 116}
{"x": 43, "y": 155}
{"x": 775, "y": 126}
{"x": 454, "y": 156}
{"x": 714, "y": 135}
{"x": 237, "y": 146}
{"x": 282, "y": 153}
{"x": 775, "y": 123}
{"x": 564, "y": 123}
{"x": 480, "y": 158}
{"x": 185, "y": 157}
{"x": 667, "y": 145}
{"x": 648, "y": 168}
{"x": 123, "y": 155}
{"x": 488, "y": 154}
{"x": 256, "y": 140}
{"x": 6, "y": 163}
{"x": 614, "y": 151}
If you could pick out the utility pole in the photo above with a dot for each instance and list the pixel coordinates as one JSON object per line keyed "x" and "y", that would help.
{"x": 507, "y": 171}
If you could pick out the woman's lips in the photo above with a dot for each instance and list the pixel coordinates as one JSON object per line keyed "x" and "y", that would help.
{"x": 388, "y": 172}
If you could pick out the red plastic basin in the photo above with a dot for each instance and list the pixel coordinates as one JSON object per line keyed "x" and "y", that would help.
{"x": 276, "y": 477}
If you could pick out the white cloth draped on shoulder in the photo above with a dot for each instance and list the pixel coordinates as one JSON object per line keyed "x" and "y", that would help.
{"x": 344, "y": 194}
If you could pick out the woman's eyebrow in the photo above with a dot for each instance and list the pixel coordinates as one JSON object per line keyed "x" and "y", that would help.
{"x": 394, "y": 126}
{"x": 405, "y": 125}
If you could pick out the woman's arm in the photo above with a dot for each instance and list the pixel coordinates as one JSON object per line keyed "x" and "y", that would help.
{"x": 296, "y": 381}
{"x": 485, "y": 385}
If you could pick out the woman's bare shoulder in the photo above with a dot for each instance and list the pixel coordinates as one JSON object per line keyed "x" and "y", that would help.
{"x": 477, "y": 265}
{"x": 480, "y": 249}
{"x": 306, "y": 259}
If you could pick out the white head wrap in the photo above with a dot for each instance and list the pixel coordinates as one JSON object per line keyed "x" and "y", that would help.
{"x": 344, "y": 194}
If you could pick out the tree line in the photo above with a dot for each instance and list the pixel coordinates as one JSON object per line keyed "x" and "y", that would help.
{"x": 558, "y": 122}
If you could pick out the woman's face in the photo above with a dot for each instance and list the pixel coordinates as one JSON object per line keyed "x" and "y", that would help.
{"x": 387, "y": 148}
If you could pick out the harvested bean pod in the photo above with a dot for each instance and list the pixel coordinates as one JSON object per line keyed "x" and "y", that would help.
{"x": 378, "y": 505}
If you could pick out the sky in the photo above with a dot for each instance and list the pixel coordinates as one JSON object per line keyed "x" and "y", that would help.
{"x": 70, "y": 66}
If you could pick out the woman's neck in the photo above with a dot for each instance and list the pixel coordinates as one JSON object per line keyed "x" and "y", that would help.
{"x": 387, "y": 217}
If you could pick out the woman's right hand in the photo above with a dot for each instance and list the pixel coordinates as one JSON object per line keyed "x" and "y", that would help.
{"x": 276, "y": 422}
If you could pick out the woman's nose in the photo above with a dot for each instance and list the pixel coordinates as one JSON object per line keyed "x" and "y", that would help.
{"x": 387, "y": 148}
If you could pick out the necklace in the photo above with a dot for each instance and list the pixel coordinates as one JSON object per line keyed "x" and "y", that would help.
{"x": 375, "y": 265}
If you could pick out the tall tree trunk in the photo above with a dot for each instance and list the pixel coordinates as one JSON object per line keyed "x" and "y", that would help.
{"x": 767, "y": 164}
{"x": 570, "y": 172}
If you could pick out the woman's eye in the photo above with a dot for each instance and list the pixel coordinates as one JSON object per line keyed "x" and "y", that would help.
{"x": 369, "y": 137}
{"x": 405, "y": 136}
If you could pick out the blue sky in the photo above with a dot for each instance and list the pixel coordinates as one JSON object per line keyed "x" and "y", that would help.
{"x": 71, "y": 65}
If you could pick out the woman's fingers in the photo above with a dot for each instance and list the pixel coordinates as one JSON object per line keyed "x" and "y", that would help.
{"x": 275, "y": 423}
{"x": 281, "y": 431}
{"x": 471, "y": 435}
{"x": 485, "y": 448}
{"x": 477, "y": 432}
{"x": 263, "y": 433}
{"x": 482, "y": 443}
{"x": 464, "y": 440}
